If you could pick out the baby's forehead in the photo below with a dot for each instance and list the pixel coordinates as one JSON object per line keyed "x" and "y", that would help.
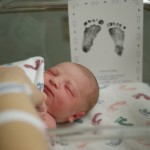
{"x": 69, "y": 67}
{"x": 66, "y": 64}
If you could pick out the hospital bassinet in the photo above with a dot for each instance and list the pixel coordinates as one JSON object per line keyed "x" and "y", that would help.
{"x": 121, "y": 117}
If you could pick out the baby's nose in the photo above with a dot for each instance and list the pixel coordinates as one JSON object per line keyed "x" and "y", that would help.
{"x": 54, "y": 82}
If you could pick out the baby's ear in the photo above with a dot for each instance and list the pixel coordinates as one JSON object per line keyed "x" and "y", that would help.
{"x": 76, "y": 116}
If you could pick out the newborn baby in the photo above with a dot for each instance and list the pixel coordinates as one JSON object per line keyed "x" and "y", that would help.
{"x": 71, "y": 91}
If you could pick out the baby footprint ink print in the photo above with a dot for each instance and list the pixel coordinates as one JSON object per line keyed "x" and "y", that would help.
{"x": 92, "y": 28}
{"x": 117, "y": 33}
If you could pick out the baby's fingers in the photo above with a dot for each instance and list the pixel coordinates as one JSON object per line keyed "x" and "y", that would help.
{"x": 37, "y": 96}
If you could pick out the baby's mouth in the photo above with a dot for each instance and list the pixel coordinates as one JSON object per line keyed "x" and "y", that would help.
{"x": 48, "y": 91}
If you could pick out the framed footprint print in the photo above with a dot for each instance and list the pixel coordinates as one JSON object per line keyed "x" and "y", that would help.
{"x": 107, "y": 37}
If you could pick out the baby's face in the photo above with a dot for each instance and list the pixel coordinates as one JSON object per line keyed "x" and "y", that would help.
{"x": 64, "y": 86}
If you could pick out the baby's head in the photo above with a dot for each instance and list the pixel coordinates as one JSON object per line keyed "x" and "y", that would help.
{"x": 72, "y": 91}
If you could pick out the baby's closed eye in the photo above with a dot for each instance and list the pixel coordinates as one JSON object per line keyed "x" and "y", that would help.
{"x": 68, "y": 90}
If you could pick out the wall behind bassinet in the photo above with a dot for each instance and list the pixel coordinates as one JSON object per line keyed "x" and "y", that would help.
{"x": 23, "y": 35}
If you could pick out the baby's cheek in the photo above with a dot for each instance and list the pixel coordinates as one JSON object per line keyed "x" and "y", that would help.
{"x": 62, "y": 98}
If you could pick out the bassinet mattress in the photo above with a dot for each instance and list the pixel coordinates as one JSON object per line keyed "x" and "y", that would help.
{"x": 119, "y": 105}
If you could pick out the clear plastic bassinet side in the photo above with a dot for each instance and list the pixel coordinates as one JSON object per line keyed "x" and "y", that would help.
{"x": 77, "y": 134}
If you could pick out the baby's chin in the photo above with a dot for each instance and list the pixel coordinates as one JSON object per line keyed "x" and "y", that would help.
{"x": 61, "y": 120}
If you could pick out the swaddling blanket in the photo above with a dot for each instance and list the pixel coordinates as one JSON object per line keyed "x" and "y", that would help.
{"x": 34, "y": 69}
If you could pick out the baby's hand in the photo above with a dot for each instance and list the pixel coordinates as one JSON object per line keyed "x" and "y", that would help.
{"x": 48, "y": 119}
{"x": 42, "y": 108}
